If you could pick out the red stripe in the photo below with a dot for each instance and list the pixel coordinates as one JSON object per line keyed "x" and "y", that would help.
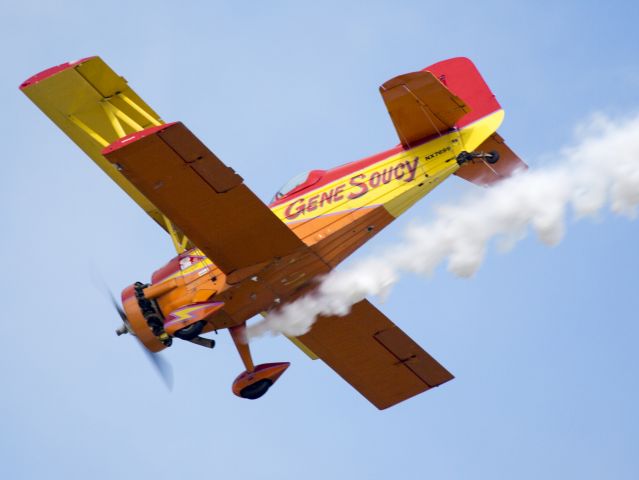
{"x": 133, "y": 137}
{"x": 336, "y": 173}
{"x": 49, "y": 72}
{"x": 462, "y": 78}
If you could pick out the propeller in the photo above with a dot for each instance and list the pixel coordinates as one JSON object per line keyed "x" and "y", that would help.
{"x": 161, "y": 366}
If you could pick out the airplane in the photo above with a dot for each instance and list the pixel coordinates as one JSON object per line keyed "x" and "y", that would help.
{"x": 237, "y": 257}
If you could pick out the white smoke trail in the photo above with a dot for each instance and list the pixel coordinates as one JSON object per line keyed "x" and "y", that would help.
{"x": 601, "y": 170}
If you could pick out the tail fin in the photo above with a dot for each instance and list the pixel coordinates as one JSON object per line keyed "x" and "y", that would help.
{"x": 447, "y": 95}
{"x": 463, "y": 79}
{"x": 451, "y": 94}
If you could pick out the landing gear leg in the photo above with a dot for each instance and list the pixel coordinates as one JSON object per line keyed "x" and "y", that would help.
{"x": 255, "y": 380}
{"x": 238, "y": 334}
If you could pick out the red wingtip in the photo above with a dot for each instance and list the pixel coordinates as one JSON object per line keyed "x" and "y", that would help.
{"x": 133, "y": 137}
{"x": 49, "y": 72}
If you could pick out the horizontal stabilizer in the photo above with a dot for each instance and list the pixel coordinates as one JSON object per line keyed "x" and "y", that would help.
{"x": 481, "y": 173}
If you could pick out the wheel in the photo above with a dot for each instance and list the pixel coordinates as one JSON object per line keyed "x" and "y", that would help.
{"x": 257, "y": 389}
{"x": 494, "y": 157}
{"x": 190, "y": 332}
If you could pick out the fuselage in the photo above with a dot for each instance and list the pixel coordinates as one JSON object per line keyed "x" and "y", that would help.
{"x": 334, "y": 212}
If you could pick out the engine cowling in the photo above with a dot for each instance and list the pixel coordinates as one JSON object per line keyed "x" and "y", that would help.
{"x": 145, "y": 318}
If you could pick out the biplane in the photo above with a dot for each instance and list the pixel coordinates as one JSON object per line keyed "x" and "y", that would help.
{"x": 237, "y": 257}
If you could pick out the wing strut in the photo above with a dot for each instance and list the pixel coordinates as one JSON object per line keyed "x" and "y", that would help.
{"x": 180, "y": 242}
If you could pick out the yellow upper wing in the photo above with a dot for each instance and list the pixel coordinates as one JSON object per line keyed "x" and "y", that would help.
{"x": 182, "y": 185}
{"x": 95, "y": 107}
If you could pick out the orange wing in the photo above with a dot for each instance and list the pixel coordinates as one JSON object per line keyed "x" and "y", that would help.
{"x": 374, "y": 355}
{"x": 203, "y": 197}
{"x": 481, "y": 173}
{"x": 421, "y": 106}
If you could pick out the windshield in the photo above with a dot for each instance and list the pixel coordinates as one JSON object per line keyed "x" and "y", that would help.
{"x": 296, "y": 181}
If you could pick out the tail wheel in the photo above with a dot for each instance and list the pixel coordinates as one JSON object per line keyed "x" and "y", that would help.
{"x": 492, "y": 157}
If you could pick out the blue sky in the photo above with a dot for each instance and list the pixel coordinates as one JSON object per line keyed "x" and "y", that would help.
{"x": 542, "y": 340}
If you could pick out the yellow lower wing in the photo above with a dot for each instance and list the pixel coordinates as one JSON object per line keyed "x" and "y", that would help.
{"x": 95, "y": 107}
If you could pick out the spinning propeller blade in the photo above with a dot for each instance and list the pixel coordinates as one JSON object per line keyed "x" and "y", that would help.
{"x": 162, "y": 367}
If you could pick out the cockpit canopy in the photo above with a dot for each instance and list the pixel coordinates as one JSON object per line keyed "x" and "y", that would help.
{"x": 298, "y": 182}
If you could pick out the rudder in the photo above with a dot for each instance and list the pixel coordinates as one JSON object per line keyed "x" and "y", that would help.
{"x": 461, "y": 77}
